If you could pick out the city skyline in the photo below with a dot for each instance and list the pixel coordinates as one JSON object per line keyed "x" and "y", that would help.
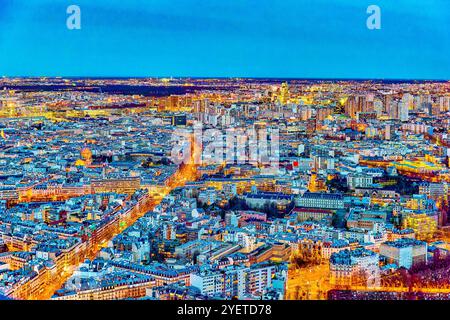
{"x": 207, "y": 151}
{"x": 204, "y": 189}
{"x": 275, "y": 79}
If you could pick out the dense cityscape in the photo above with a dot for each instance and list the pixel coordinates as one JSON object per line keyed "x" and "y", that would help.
{"x": 224, "y": 189}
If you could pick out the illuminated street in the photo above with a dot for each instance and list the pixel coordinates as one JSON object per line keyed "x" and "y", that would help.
{"x": 308, "y": 283}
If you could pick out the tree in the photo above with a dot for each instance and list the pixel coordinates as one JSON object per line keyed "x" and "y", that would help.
{"x": 237, "y": 203}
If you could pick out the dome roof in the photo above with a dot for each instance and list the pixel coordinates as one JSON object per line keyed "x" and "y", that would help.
{"x": 86, "y": 153}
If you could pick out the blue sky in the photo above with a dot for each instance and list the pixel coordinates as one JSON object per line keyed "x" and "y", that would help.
{"x": 226, "y": 38}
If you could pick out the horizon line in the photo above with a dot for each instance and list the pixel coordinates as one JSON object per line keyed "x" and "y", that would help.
{"x": 231, "y": 78}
